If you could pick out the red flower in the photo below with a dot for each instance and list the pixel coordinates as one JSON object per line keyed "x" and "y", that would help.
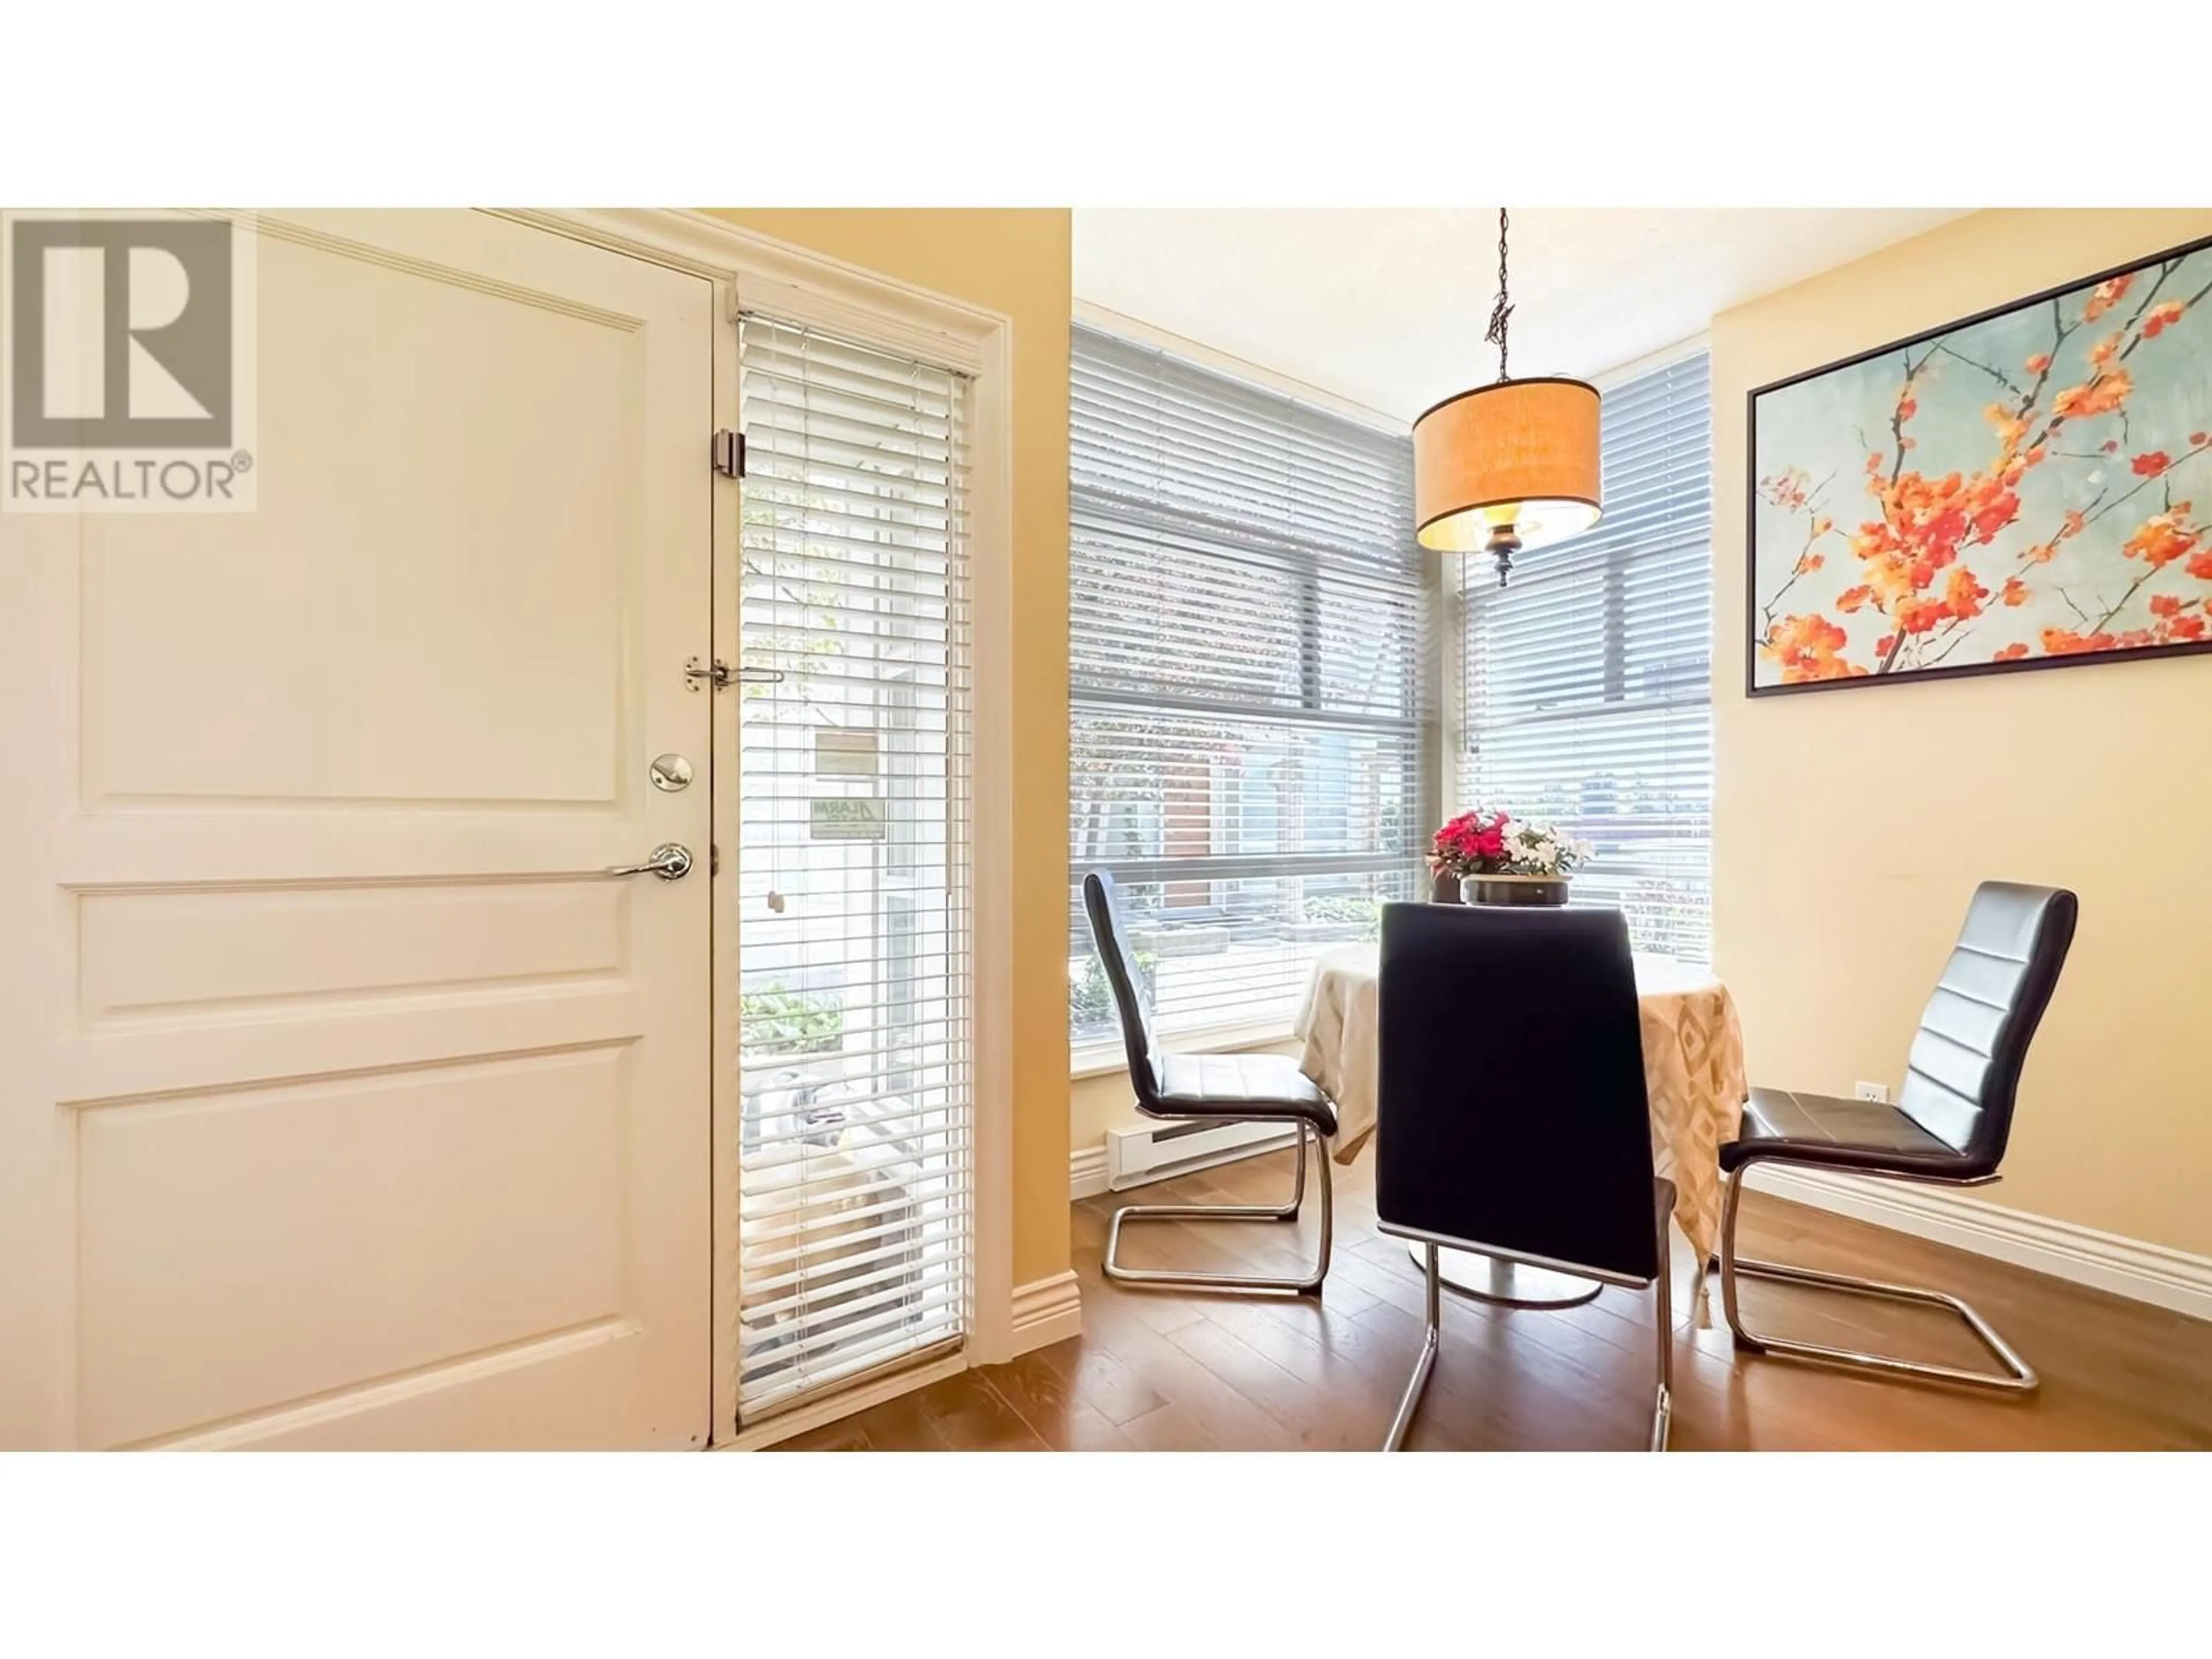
{"x": 2107, "y": 296}
{"x": 1463, "y": 845}
{"x": 2161, "y": 540}
{"x": 2065, "y": 643}
{"x": 2150, "y": 465}
{"x": 1807, "y": 648}
{"x": 1963, "y": 594}
{"x": 2012, "y": 652}
{"x": 2104, "y": 394}
{"x": 1919, "y": 615}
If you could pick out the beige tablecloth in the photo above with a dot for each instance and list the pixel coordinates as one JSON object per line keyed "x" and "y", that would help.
{"x": 1693, "y": 1069}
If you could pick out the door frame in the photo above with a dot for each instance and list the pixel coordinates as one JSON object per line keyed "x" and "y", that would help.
{"x": 753, "y": 272}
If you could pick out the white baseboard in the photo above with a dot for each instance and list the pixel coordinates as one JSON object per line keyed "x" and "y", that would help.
{"x": 2105, "y": 1261}
{"x": 1086, "y": 1172}
{"x": 1046, "y": 1311}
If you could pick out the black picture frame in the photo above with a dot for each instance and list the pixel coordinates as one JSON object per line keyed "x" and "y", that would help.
{"x": 1962, "y": 671}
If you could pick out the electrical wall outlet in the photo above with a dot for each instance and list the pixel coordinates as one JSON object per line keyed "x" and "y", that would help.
{"x": 1874, "y": 1091}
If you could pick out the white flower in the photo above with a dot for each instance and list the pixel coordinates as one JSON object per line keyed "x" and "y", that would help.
{"x": 1540, "y": 850}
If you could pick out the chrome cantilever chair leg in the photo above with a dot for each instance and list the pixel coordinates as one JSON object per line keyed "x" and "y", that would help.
{"x": 2016, "y": 1378}
{"x": 1662, "y": 1402}
{"x": 1663, "y": 1408}
{"x": 1301, "y": 1284}
{"x": 1427, "y": 1363}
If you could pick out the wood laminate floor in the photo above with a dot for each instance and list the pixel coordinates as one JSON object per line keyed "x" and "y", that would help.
{"x": 1160, "y": 1372}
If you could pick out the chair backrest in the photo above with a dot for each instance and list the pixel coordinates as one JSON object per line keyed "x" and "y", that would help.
{"x": 1101, "y": 903}
{"x": 1964, "y": 1066}
{"x": 1510, "y": 1111}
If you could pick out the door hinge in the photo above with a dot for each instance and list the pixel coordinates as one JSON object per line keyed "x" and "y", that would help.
{"x": 713, "y": 859}
{"x": 730, "y": 453}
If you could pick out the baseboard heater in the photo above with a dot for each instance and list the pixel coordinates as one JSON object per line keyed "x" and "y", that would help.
{"x": 1157, "y": 1151}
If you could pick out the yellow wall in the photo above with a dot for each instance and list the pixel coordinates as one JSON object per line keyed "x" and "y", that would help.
{"x": 1013, "y": 261}
{"x": 1095, "y": 1104}
{"x": 1850, "y": 826}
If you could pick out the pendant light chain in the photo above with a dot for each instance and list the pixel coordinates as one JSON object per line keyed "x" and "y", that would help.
{"x": 1502, "y": 311}
{"x": 1511, "y": 466}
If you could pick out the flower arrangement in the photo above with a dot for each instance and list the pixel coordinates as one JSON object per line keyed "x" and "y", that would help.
{"x": 1480, "y": 843}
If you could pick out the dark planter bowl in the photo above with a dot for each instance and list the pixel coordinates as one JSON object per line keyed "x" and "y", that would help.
{"x": 1513, "y": 889}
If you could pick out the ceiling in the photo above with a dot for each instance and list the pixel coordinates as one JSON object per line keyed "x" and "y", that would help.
{"x": 1386, "y": 307}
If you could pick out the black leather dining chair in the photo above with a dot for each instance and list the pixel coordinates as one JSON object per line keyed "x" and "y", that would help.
{"x": 1949, "y": 1125}
{"x": 1186, "y": 1088}
{"x": 1511, "y": 1114}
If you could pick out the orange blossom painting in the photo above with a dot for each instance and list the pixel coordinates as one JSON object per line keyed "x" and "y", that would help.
{"x": 2028, "y": 487}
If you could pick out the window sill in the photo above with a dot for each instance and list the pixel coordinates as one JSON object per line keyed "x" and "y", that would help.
{"x": 1091, "y": 1060}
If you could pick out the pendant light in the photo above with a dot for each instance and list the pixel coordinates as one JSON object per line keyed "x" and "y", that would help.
{"x": 1509, "y": 466}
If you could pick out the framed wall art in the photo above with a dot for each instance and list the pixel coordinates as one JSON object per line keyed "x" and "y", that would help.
{"x": 2025, "y": 489}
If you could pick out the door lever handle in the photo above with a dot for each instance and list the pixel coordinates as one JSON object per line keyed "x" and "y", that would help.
{"x": 669, "y": 860}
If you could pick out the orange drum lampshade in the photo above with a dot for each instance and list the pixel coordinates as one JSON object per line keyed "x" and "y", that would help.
{"x": 1516, "y": 460}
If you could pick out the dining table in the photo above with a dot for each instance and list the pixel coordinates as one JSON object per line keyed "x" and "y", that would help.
{"x": 1693, "y": 1078}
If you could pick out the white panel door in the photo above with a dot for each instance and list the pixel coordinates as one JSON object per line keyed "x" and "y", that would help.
{"x": 343, "y": 1101}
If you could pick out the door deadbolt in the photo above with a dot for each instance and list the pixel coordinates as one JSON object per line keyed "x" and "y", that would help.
{"x": 671, "y": 773}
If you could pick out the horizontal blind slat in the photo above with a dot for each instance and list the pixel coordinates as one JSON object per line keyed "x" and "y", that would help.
{"x": 1248, "y": 664}
{"x": 1587, "y": 683}
{"x": 854, "y": 1016}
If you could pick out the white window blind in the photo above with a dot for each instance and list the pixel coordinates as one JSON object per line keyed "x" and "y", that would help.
{"x": 1247, "y": 678}
{"x": 853, "y": 863}
{"x": 1588, "y": 682}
